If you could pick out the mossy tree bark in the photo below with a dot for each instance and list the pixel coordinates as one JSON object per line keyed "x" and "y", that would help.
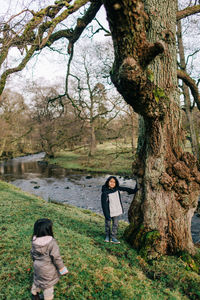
{"x": 144, "y": 72}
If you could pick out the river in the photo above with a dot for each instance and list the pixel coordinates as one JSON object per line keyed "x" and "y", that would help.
{"x": 53, "y": 183}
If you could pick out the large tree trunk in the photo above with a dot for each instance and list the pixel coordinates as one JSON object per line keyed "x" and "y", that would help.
{"x": 144, "y": 72}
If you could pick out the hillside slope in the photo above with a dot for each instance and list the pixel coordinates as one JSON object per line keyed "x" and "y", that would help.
{"x": 97, "y": 270}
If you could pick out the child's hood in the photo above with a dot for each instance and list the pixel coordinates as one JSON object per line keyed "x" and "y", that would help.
{"x": 40, "y": 244}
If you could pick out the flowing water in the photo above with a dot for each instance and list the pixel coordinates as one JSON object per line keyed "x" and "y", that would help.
{"x": 53, "y": 183}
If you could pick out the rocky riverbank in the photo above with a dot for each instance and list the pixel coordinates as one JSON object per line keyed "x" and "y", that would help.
{"x": 56, "y": 184}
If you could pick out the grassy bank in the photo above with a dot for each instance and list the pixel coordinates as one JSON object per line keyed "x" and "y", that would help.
{"x": 109, "y": 158}
{"x": 97, "y": 270}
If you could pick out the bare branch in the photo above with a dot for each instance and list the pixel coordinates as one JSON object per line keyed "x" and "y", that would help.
{"x": 188, "y": 11}
{"x": 108, "y": 33}
{"x": 22, "y": 136}
{"x": 67, "y": 82}
{"x": 16, "y": 69}
{"x": 83, "y": 22}
{"x": 34, "y": 30}
{"x": 195, "y": 52}
{"x": 191, "y": 84}
{"x": 20, "y": 13}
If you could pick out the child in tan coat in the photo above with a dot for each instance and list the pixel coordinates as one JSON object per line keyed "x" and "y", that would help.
{"x": 47, "y": 262}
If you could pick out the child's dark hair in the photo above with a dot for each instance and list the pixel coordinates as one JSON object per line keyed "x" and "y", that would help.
{"x": 108, "y": 179}
{"x": 43, "y": 227}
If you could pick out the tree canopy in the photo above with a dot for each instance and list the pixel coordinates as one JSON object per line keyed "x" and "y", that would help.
{"x": 35, "y": 26}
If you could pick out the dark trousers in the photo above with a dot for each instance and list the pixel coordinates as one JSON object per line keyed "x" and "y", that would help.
{"x": 111, "y": 232}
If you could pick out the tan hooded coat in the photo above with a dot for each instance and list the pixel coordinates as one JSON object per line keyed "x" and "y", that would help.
{"x": 46, "y": 261}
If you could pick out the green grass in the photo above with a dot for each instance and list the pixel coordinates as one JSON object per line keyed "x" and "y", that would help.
{"x": 108, "y": 158}
{"x": 97, "y": 270}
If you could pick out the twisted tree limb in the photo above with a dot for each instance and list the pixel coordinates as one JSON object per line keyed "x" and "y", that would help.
{"x": 191, "y": 84}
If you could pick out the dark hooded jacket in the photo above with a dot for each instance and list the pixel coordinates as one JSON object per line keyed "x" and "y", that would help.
{"x": 106, "y": 191}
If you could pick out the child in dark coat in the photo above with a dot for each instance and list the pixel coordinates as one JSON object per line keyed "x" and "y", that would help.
{"x": 112, "y": 206}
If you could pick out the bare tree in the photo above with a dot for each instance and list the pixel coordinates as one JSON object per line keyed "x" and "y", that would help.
{"x": 56, "y": 125}
{"x": 87, "y": 91}
{"x": 188, "y": 107}
{"x": 15, "y": 126}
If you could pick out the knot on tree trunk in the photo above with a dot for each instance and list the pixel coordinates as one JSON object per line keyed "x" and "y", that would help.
{"x": 189, "y": 159}
{"x": 183, "y": 178}
{"x": 130, "y": 70}
{"x": 138, "y": 89}
{"x": 166, "y": 181}
{"x": 181, "y": 187}
{"x": 182, "y": 171}
{"x": 186, "y": 168}
{"x": 182, "y": 165}
{"x": 187, "y": 202}
{"x": 150, "y": 51}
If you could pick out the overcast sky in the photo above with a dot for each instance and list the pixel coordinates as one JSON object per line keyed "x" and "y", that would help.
{"x": 48, "y": 66}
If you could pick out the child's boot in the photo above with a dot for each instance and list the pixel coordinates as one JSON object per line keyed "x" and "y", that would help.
{"x": 115, "y": 241}
{"x": 107, "y": 239}
{"x": 35, "y": 297}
